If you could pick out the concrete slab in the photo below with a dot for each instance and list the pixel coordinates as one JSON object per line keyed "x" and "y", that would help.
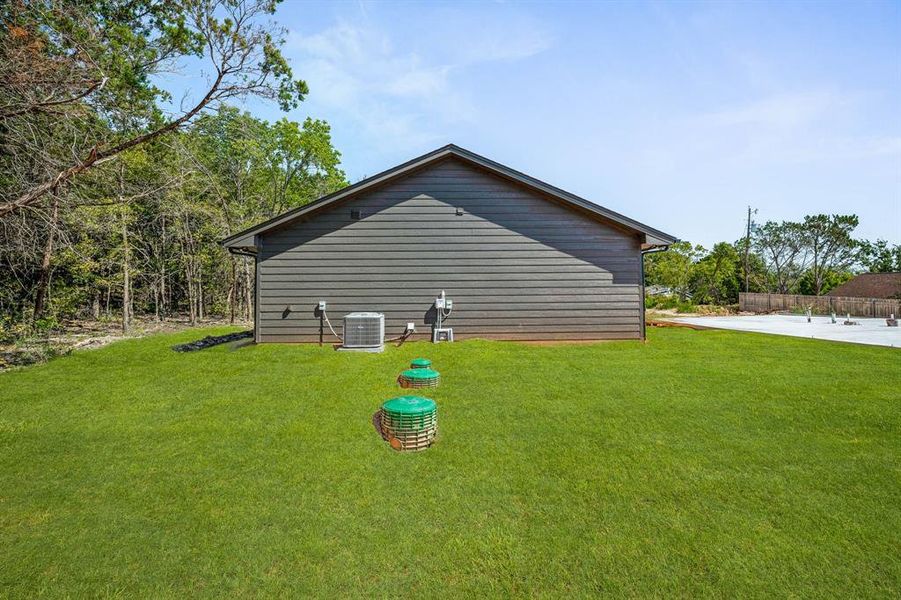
{"x": 869, "y": 331}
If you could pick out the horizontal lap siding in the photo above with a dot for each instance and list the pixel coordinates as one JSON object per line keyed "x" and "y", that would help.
{"x": 516, "y": 265}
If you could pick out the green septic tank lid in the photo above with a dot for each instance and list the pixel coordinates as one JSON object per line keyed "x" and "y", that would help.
{"x": 421, "y": 363}
{"x": 420, "y": 374}
{"x": 409, "y": 405}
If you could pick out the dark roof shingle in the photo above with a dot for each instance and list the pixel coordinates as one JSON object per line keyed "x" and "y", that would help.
{"x": 870, "y": 285}
{"x": 655, "y": 237}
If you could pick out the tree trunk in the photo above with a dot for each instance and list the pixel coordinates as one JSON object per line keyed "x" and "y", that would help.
{"x": 232, "y": 292}
{"x": 156, "y": 301}
{"x": 817, "y": 276}
{"x": 163, "y": 298}
{"x": 126, "y": 281}
{"x": 126, "y": 251}
{"x": 98, "y": 156}
{"x": 191, "y": 289}
{"x": 248, "y": 293}
{"x": 40, "y": 295}
{"x": 192, "y": 272}
{"x": 200, "y": 294}
{"x": 95, "y": 306}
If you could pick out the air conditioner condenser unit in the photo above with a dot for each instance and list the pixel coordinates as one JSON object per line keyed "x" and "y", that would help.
{"x": 364, "y": 331}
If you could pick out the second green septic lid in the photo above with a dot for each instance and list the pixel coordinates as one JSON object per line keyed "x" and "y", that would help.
{"x": 421, "y": 363}
{"x": 409, "y": 405}
{"x": 419, "y": 374}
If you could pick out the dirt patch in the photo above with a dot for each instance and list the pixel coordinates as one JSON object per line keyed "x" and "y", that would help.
{"x": 561, "y": 342}
{"x": 88, "y": 335}
{"x": 700, "y": 310}
{"x": 655, "y": 323}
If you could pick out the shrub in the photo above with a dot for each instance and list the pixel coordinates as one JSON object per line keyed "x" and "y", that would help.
{"x": 665, "y": 302}
{"x": 46, "y": 325}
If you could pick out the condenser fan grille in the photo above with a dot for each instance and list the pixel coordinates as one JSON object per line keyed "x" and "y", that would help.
{"x": 364, "y": 330}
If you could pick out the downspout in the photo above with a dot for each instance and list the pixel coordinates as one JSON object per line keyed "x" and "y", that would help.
{"x": 644, "y": 333}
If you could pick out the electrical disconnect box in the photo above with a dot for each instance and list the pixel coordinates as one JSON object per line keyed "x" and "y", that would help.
{"x": 443, "y": 308}
{"x": 443, "y": 302}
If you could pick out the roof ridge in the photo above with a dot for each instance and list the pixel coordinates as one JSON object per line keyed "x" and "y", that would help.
{"x": 442, "y": 152}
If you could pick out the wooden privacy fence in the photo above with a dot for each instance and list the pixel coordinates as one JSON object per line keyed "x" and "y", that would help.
{"x": 858, "y": 307}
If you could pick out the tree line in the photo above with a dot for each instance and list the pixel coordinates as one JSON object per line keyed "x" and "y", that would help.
{"x": 809, "y": 257}
{"x": 114, "y": 192}
{"x": 116, "y": 188}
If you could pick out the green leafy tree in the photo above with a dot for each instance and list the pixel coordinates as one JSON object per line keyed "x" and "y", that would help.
{"x": 250, "y": 170}
{"x": 673, "y": 269}
{"x": 716, "y": 277}
{"x": 784, "y": 250}
{"x": 82, "y": 74}
{"x": 305, "y": 164}
{"x": 832, "y": 250}
{"x": 112, "y": 198}
{"x": 830, "y": 279}
{"x": 879, "y": 256}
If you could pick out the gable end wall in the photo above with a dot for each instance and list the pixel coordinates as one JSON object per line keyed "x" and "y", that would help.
{"x": 516, "y": 265}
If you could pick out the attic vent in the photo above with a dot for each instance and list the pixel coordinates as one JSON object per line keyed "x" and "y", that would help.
{"x": 355, "y": 214}
{"x": 364, "y": 330}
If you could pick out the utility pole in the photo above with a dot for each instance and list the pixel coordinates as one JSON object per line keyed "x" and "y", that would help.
{"x": 747, "y": 249}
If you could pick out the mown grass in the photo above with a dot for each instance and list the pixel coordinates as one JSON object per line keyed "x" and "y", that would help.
{"x": 702, "y": 463}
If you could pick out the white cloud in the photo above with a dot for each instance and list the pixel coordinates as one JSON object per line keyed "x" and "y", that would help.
{"x": 516, "y": 38}
{"x": 404, "y": 94}
{"x": 782, "y": 110}
{"x": 419, "y": 82}
{"x": 785, "y": 128}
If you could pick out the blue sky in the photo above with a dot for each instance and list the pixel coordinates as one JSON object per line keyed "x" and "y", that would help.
{"x": 676, "y": 114}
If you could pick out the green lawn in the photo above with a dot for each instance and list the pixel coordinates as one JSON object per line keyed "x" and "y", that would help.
{"x": 702, "y": 463}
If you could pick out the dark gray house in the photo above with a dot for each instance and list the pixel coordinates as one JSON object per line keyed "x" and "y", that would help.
{"x": 521, "y": 259}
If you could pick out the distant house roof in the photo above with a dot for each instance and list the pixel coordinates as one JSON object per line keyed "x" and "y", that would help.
{"x": 652, "y": 237}
{"x": 870, "y": 285}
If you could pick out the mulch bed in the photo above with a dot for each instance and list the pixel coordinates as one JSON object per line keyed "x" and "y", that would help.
{"x": 212, "y": 340}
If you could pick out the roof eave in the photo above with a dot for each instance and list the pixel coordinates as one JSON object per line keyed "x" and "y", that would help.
{"x": 661, "y": 238}
{"x": 564, "y": 195}
{"x": 354, "y": 188}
